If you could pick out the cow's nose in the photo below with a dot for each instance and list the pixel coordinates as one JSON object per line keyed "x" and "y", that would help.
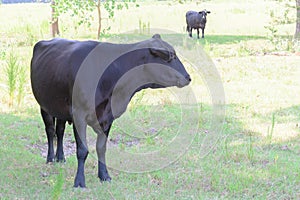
{"x": 188, "y": 78}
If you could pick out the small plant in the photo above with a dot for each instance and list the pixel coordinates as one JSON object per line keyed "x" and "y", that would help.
{"x": 58, "y": 186}
{"x": 136, "y": 101}
{"x": 271, "y": 130}
{"x": 21, "y": 84}
{"x": 207, "y": 46}
{"x": 243, "y": 49}
{"x": 144, "y": 28}
{"x": 250, "y": 150}
{"x": 12, "y": 70}
{"x": 272, "y": 29}
{"x": 16, "y": 79}
{"x": 2, "y": 54}
{"x": 227, "y": 155}
{"x": 30, "y": 35}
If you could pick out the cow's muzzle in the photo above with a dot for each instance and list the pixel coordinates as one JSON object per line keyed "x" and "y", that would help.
{"x": 184, "y": 81}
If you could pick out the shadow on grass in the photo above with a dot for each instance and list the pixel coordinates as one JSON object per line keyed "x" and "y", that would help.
{"x": 178, "y": 38}
{"x": 288, "y": 114}
{"x": 229, "y": 39}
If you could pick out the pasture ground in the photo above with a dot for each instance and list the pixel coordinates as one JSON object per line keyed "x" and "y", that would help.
{"x": 257, "y": 154}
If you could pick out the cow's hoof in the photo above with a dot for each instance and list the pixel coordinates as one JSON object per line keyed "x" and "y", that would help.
{"x": 49, "y": 160}
{"x": 60, "y": 160}
{"x": 108, "y": 180}
{"x": 103, "y": 173}
{"x": 79, "y": 181}
{"x": 79, "y": 186}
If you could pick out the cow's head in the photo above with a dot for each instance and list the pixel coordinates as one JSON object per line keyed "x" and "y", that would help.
{"x": 204, "y": 12}
{"x": 164, "y": 65}
{"x": 203, "y": 15}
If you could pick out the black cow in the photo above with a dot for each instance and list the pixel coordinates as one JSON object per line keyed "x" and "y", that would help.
{"x": 83, "y": 82}
{"x": 196, "y": 20}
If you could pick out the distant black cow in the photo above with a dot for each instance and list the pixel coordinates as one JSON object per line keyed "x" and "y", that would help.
{"x": 77, "y": 81}
{"x": 196, "y": 20}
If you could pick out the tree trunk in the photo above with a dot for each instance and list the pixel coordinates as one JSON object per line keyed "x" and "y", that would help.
{"x": 99, "y": 19}
{"x": 297, "y": 34}
{"x": 54, "y": 22}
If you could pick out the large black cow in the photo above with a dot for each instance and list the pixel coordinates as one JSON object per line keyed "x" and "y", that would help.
{"x": 83, "y": 82}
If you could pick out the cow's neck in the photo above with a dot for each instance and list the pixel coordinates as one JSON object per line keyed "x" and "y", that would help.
{"x": 121, "y": 80}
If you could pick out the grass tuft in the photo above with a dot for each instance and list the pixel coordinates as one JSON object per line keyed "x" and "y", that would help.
{"x": 271, "y": 130}
{"x": 58, "y": 185}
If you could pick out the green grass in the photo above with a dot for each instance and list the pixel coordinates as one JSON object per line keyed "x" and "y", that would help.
{"x": 257, "y": 152}
{"x": 272, "y": 170}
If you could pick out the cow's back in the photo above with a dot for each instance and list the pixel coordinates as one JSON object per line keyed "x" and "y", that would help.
{"x": 54, "y": 66}
{"x": 193, "y": 19}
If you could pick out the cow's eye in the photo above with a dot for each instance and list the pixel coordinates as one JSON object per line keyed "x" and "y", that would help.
{"x": 172, "y": 56}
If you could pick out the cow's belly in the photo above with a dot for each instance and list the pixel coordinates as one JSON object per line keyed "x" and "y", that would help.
{"x": 58, "y": 108}
{"x": 54, "y": 100}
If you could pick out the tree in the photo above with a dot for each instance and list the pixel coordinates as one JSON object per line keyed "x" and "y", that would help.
{"x": 54, "y": 20}
{"x": 83, "y": 9}
{"x": 297, "y": 33}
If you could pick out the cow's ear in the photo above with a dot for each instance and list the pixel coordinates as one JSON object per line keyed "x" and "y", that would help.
{"x": 156, "y": 36}
{"x": 207, "y": 12}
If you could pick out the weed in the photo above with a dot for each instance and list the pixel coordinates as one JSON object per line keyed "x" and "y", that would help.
{"x": 58, "y": 185}
{"x": 2, "y": 54}
{"x": 227, "y": 156}
{"x": 243, "y": 49}
{"x": 31, "y": 38}
{"x": 144, "y": 28}
{"x": 271, "y": 130}
{"x": 250, "y": 150}
{"x": 136, "y": 101}
{"x": 21, "y": 78}
{"x": 208, "y": 47}
{"x": 12, "y": 70}
{"x": 16, "y": 79}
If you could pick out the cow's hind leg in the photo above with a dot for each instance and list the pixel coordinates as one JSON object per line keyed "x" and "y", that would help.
{"x": 198, "y": 33}
{"x": 81, "y": 152}
{"x": 101, "y": 149}
{"x": 49, "y": 127}
{"x": 60, "y": 129}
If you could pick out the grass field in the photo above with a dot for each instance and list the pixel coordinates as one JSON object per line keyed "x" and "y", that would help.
{"x": 255, "y": 154}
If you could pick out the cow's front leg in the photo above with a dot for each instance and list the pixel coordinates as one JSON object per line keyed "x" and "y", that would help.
{"x": 81, "y": 152}
{"x": 101, "y": 149}
{"x": 190, "y": 31}
{"x": 60, "y": 129}
{"x": 198, "y": 33}
{"x": 203, "y": 33}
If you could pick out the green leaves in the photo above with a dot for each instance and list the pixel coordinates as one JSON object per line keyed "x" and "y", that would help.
{"x": 84, "y": 9}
